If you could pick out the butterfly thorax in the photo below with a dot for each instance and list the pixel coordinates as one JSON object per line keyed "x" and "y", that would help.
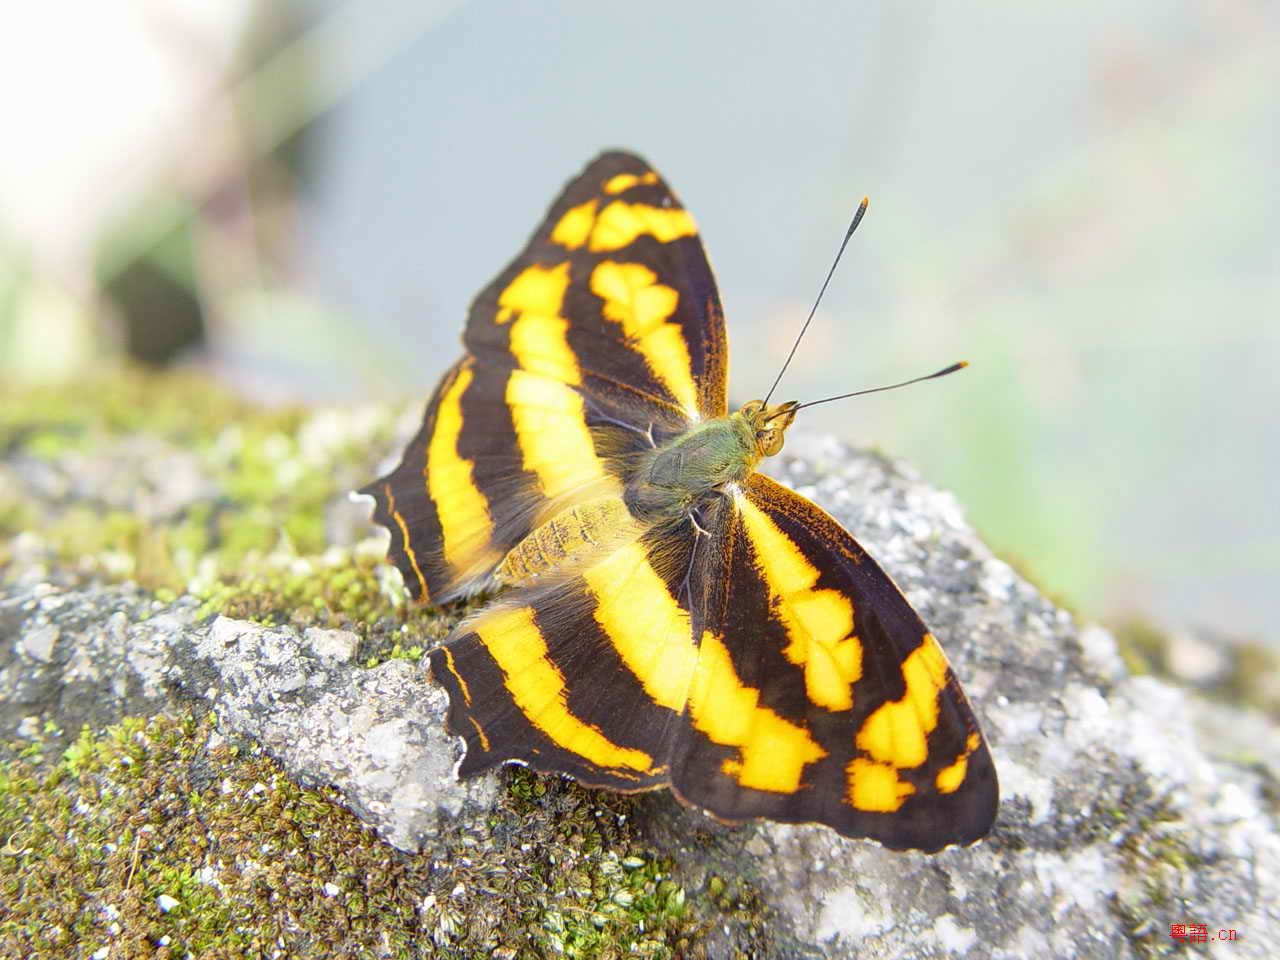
{"x": 671, "y": 479}
{"x": 664, "y": 485}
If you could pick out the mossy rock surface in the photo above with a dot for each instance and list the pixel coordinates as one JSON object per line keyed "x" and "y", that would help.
{"x": 181, "y": 843}
{"x": 220, "y": 739}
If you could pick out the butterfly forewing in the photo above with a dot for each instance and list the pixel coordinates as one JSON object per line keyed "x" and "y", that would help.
{"x": 607, "y": 323}
{"x": 614, "y": 292}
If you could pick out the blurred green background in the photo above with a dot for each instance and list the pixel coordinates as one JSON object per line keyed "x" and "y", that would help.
{"x": 302, "y": 197}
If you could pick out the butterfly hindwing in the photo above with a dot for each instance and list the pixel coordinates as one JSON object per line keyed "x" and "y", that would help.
{"x": 835, "y": 703}
{"x": 586, "y": 675}
{"x": 607, "y": 323}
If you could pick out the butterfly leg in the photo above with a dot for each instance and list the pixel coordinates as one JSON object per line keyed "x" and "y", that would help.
{"x": 697, "y": 527}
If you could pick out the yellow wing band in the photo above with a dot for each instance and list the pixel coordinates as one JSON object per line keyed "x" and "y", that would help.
{"x": 465, "y": 522}
{"x": 896, "y": 735}
{"x": 546, "y": 412}
{"x": 620, "y": 224}
{"x": 951, "y": 776}
{"x": 819, "y": 623}
{"x": 649, "y": 630}
{"x": 876, "y": 787}
{"x": 536, "y": 289}
{"x": 652, "y": 635}
{"x": 404, "y": 536}
{"x": 774, "y": 751}
{"x": 635, "y": 300}
{"x": 897, "y": 731}
{"x": 538, "y": 688}
{"x": 551, "y": 430}
{"x": 625, "y": 181}
{"x": 573, "y": 229}
{"x": 453, "y": 669}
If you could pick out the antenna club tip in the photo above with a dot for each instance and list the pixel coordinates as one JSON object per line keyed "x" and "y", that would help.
{"x": 866, "y": 202}
{"x": 961, "y": 364}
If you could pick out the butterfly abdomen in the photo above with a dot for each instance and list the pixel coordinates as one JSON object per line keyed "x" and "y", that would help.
{"x": 570, "y": 535}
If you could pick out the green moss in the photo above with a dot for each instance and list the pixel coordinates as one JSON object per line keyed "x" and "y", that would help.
{"x": 1151, "y": 838}
{"x": 144, "y": 818}
{"x": 606, "y": 895}
{"x": 15, "y": 516}
{"x": 342, "y": 591}
{"x": 1249, "y": 682}
{"x": 1252, "y": 681}
{"x": 181, "y": 408}
{"x": 212, "y": 851}
{"x": 1143, "y": 646}
{"x": 49, "y": 443}
{"x": 253, "y": 543}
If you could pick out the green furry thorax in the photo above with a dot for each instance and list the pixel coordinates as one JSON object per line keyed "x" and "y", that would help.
{"x": 671, "y": 479}
{"x": 709, "y": 455}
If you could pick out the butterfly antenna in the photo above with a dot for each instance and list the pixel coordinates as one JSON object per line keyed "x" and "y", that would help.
{"x": 959, "y": 365}
{"x": 857, "y": 219}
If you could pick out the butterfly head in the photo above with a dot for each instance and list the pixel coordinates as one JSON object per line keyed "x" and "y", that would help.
{"x": 768, "y": 423}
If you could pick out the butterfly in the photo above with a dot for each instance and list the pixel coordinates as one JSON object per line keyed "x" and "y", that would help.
{"x": 664, "y": 614}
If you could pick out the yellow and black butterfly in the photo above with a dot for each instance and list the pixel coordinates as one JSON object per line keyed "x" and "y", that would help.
{"x": 671, "y": 617}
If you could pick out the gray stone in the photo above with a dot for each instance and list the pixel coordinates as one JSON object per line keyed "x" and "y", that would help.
{"x": 38, "y": 643}
{"x": 337, "y": 645}
{"x": 1128, "y": 804}
{"x": 110, "y": 658}
{"x": 137, "y": 473}
{"x": 377, "y": 734}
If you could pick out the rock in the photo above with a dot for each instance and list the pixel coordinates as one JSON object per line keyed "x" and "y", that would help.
{"x": 337, "y": 645}
{"x": 1128, "y": 804}
{"x": 1197, "y": 661}
{"x": 138, "y": 474}
{"x": 38, "y": 643}
{"x": 109, "y": 659}
{"x": 377, "y": 734}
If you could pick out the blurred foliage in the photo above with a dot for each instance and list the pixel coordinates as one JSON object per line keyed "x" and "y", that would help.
{"x": 153, "y": 294}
